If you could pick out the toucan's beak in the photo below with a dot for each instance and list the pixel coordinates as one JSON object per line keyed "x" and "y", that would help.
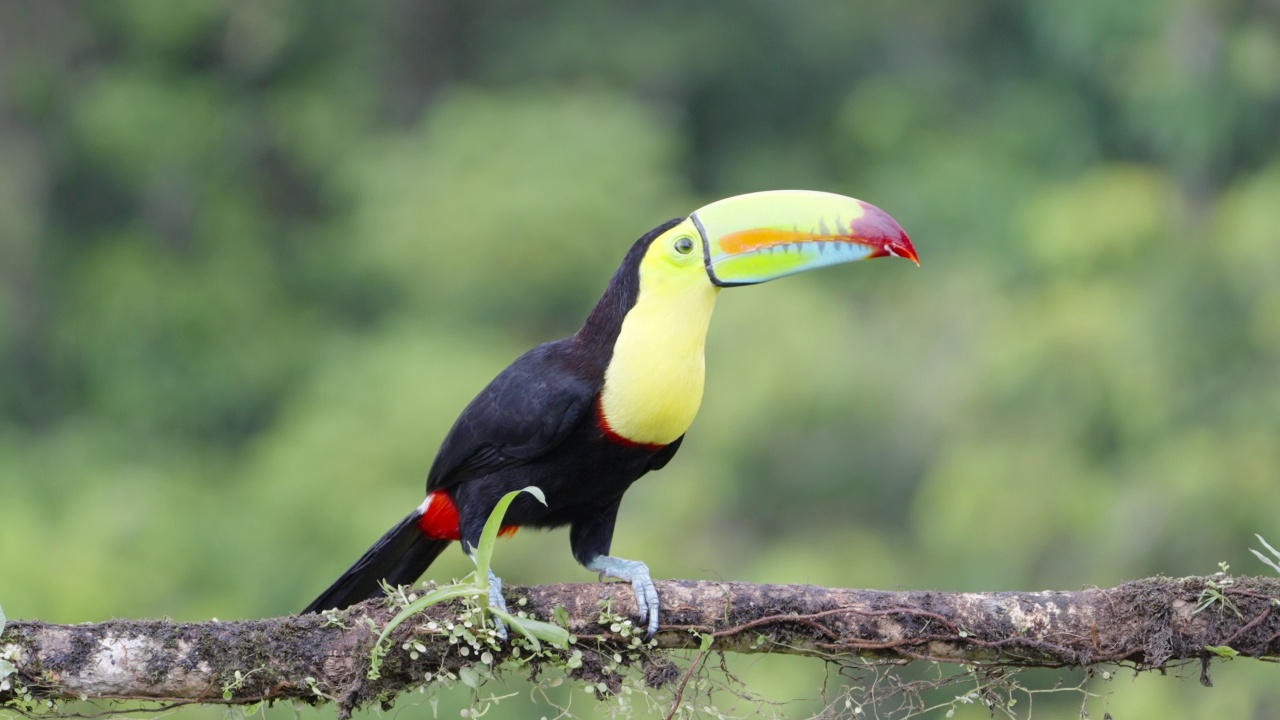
{"x": 758, "y": 237}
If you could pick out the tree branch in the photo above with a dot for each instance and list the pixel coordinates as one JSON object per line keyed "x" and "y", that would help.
{"x": 1146, "y": 623}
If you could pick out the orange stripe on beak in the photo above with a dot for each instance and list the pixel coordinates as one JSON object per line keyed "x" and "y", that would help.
{"x": 757, "y": 238}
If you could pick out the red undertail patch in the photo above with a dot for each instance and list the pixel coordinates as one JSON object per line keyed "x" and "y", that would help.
{"x": 440, "y": 520}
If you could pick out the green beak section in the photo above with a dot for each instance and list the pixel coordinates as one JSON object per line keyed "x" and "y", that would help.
{"x": 754, "y": 238}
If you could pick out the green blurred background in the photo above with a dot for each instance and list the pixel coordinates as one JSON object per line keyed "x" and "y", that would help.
{"x": 256, "y": 256}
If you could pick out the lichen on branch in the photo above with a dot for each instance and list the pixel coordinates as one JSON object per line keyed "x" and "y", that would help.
{"x": 325, "y": 658}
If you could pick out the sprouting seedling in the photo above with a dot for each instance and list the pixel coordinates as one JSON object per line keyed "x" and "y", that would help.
{"x": 476, "y": 586}
{"x": 535, "y": 630}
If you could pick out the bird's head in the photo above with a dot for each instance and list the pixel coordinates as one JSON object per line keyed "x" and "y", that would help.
{"x": 655, "y": 314}
{"x": 757, "y": 237}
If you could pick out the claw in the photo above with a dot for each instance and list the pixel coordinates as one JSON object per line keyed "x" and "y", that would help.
{"x": 496, "y": 600}
{"x": 636, "y": 573}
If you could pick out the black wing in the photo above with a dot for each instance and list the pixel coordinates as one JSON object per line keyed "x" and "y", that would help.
{"x": 522, "y": 414}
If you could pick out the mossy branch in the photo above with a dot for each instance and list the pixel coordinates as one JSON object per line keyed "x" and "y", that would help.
{"x": 1146, "y": 623}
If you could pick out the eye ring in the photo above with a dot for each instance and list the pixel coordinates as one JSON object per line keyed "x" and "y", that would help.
{"x": 683, "y": 245}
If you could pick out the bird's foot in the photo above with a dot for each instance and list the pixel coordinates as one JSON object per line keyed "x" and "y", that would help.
{"x": 497, "y": 601}
{"x": 636, "y": 573}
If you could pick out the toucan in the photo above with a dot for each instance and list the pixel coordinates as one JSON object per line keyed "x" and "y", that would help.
{"x": 584, "y": 417}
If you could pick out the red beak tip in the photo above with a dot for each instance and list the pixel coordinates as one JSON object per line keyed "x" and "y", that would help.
{"x": 880, "y": 229}
{"x": 902, "y": 248}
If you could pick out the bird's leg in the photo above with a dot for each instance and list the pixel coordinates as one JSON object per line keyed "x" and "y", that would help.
{"x": 636, "y": 573}
{"x": 590, "y": 538}
{"x": 495, "y": 592}
{"x": 495, "y": 600}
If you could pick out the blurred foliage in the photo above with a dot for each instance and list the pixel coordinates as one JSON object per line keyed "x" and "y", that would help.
{"x": 255, "y": 257}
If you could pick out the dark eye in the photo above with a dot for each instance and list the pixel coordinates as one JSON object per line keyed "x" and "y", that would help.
{"x": 684, "y": 245}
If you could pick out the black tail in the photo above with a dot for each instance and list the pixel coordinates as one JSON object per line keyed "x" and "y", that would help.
{"x": 399, "y": 557}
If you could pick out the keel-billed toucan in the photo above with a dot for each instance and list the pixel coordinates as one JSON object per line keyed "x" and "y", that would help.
{"x": 584, "y": 417}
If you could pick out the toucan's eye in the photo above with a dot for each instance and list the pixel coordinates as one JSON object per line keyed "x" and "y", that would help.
{"x": 684, "y": 245}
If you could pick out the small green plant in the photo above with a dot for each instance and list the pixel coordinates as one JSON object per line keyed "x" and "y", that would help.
{"x": 534, "y": 630}
{"x": 475, "y": 588}
{"x": 7, "y": 668}
{"x": 333, "y": 619}
{"x": 314, "y": 686}
{"x": 1213, "y": 593}
{"x": 621, "y": 625}
{"x": 236, "y": 683}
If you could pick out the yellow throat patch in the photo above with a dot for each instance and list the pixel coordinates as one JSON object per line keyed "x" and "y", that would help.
{"x": 653, "y": 385}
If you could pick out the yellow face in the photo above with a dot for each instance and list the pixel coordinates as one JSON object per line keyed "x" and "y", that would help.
{"x": 675, "y": 260}
{"x": 653, "y": 386}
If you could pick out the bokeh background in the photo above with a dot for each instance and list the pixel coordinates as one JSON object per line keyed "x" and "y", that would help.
{"x": 255, "y": 257}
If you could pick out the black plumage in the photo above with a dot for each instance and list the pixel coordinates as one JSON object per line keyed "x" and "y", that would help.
{"x": 536, "y": 423}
